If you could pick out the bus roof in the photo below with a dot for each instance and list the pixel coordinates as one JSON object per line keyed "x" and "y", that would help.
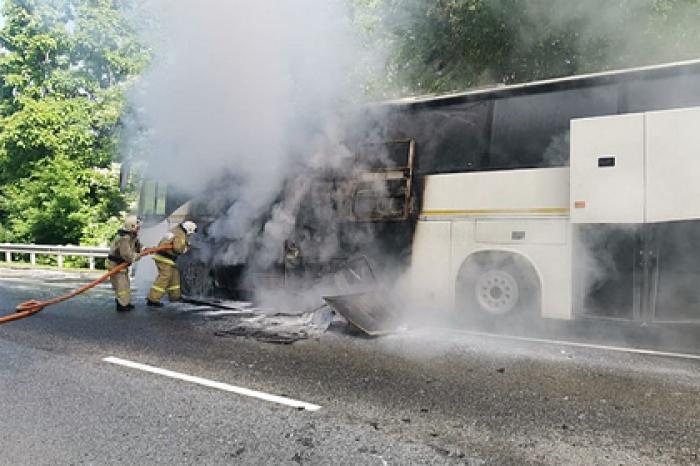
{"x": 547, "y": 85}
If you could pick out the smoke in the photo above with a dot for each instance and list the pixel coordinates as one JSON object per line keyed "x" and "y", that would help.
{"x": 240, "y": 98}
{"x": 238, "y": 88}
{"x": 248, "y": 106}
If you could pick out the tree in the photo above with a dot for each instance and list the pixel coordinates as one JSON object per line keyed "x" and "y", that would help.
{"x": 63, "y": 75}
{"x": 445, "y": 45}
{"x": 61, "y": 209}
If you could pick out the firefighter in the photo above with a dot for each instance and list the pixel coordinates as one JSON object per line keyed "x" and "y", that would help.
{"x": 125, "y": 247}
{"x": 168, "y": 279}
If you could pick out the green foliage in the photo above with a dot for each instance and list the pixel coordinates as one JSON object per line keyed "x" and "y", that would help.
{"x": 100, "y": 233}
{"x": 62, "y": 202}
{"x": 63, "y": 73}
{"x": 444, "y": 45}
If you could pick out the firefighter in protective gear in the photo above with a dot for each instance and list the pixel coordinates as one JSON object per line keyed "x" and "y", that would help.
{"x": 125, "y": 247}
{"x": 168, "y": 279}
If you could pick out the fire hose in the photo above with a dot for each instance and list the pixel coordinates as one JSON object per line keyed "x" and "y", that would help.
{"x": 33, "y": 306}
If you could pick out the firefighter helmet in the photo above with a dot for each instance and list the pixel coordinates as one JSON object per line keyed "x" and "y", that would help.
{"x": 189, "y": 227}
{"x": 132, "y": 223}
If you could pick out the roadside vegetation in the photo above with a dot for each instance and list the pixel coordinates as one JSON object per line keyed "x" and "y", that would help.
{"x": 64, "y": 69}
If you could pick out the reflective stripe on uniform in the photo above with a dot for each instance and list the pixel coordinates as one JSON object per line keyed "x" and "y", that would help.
{"x": 157, "y": 288}
{"x": 162, "y": 259}
{"x": 123, "y": 292}
{"x": 176, "y": 287}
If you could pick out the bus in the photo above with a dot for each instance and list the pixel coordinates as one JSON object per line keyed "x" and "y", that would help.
{"x": 566, "y": 198}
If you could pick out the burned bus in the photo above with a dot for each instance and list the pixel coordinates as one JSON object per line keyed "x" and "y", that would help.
{"x": 566, "y": 198}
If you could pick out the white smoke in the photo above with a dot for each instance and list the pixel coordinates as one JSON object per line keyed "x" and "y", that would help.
{"x": 247, "y": 92}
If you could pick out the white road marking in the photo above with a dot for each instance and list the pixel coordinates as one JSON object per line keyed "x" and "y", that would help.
{"x": 579, "y": 345}
{"x": 213, "y": 384}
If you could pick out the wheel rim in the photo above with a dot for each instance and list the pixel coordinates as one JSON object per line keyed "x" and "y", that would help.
{"x": 497, "y": 292}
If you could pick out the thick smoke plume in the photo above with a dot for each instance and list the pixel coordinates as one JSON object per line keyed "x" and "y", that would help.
{"x": 242, "y": 98}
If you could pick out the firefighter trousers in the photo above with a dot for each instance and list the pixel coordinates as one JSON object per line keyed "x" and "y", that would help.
{"x": 121, "y": 285}
{"x": 167, "y": 281}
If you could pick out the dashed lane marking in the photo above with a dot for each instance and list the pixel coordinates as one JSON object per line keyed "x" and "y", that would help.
{"x": 621, "y": 349}
{"x": 213, "y": 384}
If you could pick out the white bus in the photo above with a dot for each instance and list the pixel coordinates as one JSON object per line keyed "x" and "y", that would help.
{"x": 566, "y": 198}
{"x": 587, "y": 206}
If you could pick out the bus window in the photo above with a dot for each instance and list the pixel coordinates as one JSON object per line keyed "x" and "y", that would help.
{"x": 661, "y": 94}
{"x": 161, "y": 198}
{"x": 449, "y": 138}
{"x": 532, "y": 131}
{"x": 153, "y": 199}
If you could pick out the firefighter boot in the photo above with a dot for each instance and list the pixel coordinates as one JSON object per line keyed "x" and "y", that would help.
{"x": 153, "y": 303}
{"x": 121, "y": 308}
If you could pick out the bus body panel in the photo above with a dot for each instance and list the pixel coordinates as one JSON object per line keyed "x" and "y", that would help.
{"x": 521, "y": 231}
{"x": 636, "y": 168}
{"x": 430, "y": 278}
{"x": 673, "y": 165}
{"x": 607, "y": 169}
{"x": 528, "y": 192}
{"x": 515, "y": 212}
{"x": 552, "y": 262}
{"x": 546, "y": 244}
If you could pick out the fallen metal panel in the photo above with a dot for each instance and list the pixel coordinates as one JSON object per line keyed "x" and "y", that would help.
{"x": 282, "y": 328}
{"x": 368, "y": 311}
{"x": 238, "y": 311}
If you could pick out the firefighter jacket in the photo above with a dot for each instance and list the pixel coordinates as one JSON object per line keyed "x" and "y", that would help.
{"x": 125, "y": 247}
{"x": 178, "y": 239}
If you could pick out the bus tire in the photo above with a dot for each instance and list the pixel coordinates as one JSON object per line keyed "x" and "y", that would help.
{"x": 494, "y": 286}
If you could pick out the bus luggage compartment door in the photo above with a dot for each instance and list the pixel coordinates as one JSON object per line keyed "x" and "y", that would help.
{"x": 608, "y": 270}
{"x": 675, "y": 276}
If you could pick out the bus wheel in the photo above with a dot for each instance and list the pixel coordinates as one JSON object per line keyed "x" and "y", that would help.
{"x": 496, "y": 285}
{"x": 497, "y": 292}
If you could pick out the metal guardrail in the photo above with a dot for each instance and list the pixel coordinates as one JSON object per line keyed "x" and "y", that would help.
{"x": 48, "y": 250}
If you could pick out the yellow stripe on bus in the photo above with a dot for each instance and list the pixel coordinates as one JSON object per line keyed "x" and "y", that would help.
{"x": 538, "y": 210}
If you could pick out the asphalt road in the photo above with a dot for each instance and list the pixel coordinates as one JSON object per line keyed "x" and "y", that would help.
{"x": 418, "y": 397}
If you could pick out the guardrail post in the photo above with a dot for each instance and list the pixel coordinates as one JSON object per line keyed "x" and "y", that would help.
{"x": 60, "y": 261}
{"x": 92, "y": 262}
{"x": 8, "y": 257}
{"x": 32, "y": 258}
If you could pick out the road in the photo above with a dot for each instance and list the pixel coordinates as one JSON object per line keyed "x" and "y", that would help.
{"x": 418, "y": 397}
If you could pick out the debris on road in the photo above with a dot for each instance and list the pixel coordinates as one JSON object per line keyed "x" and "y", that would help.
{"x": 367, "y": 311}
{"x": 281, "y": 328}
{"x": 362, "y": 305}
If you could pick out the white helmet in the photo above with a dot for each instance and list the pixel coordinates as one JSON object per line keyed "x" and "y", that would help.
{"x": 131, "y": 223}
{"x": 189, "y": 227}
